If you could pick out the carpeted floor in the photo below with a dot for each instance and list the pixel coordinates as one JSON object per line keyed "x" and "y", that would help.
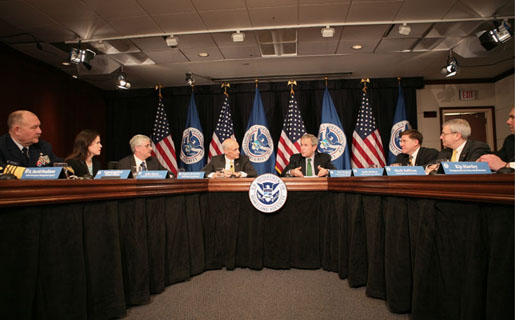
{"x": 266, "y": 294}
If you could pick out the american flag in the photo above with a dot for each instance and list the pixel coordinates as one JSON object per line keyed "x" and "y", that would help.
{"x": 224, "y": 130}
{"x": 367, "y": 148}
{"x": 293, "y": 130}
{"x": 163, "y": 147}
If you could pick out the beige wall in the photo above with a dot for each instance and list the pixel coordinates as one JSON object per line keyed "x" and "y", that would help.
{"x": 432, "y": 97}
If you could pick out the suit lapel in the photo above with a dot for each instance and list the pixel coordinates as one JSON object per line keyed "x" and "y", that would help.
{"x": 465, "y": 151}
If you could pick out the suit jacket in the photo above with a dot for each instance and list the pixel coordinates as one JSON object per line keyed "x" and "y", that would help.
{"x": 81, "y": 169}
{"x": 297, "y": 160}
{"x": 507, "y": 152}
{"x": 128, "y": 162}
{"x": 240, "y": 164}
{"x": 11, "y": 154}
{"x": 471, "y": 151}
{"x": 424, "y": 157}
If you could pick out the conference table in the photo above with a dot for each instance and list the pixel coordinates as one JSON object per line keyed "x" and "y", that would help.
{"x": 437, "y": 247}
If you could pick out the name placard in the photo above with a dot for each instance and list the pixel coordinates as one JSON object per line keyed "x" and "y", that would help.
{"x": 370, "y": 172}
{"x": 44, "y": 173}
{"x": 191, "y": 175}
{"x": 405, "y": 171}
{"x": 340, "y": 173}
{"x": 152, "y": 174}
{"x": 112, "y": 174}
{"x": 466, "y": 168}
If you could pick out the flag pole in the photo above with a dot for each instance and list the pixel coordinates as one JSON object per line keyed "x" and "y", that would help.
{"x": 256, "y": 82}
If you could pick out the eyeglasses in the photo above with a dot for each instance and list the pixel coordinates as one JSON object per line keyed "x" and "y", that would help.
{"x": 445, "y": 134}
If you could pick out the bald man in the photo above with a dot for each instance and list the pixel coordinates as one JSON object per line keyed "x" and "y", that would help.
{"x": 230, "y": 164}
{"x": 22, "y": 146}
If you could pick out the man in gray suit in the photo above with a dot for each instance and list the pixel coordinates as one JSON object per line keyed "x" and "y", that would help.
{"x": 230, "y": 164}
{"x": 141, "y": 156}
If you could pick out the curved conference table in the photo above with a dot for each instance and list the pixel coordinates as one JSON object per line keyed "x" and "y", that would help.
{"x": 438, "y": 247}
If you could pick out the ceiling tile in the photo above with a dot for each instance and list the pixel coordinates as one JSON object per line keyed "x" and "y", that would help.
{"x": 135, "y": 25}
{"x": 8, "y": 29}
{"x": 270, "y": 3}
{"x": 192, "y": 54}
{"x": 345, "y": 46}
{"x": 279, "y": 16}
{"x": 364, "y": 32}
{"x": 315, "y": 35}
{"x": 461, "y": 11}
{"x": 157, "y": 7}
{"x": 304, "y": 2}
{"x": 49, "y": 54}
{"x": 373, "y": 11}
{"x": 459, "y": 29}
{"x": 170, "y": 55}
{"x": 223, "y": 39}
{"x": 151, "y": 43}
{"x": 115, "y": 8}
{"x": 65, "y": 9}
{"x": 207, "y": 5}
{"x": 24, "y": 15}
{"x": 423, "y": 9}
{"x": 240, "y": 52}
{"x": 317, "y": 48}
{"x": 91, "y": 29}
{"x": 485, "y": 8}
{"x": 179, "y": 22}
{"x": 323, "y": 13}
{"x": 195, "y": 41}
{"x": 395, "y": 45}
{"x": 52, "y": 33}
{"x": 225, "y": 19}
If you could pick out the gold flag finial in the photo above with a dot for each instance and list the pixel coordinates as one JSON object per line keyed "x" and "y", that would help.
{"x": 226, "y": 85}
{"x": 159, "y": 87}
{"x": 256, "y": 82}
{"x": 325, "y": 78}
{"x": 292, "y": 83}
{"x": 365, "y": 81}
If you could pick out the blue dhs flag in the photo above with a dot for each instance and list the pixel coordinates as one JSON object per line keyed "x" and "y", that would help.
{"x": 399, "y": 125}
{"x": 331, "y": 138}
{"x": 257, "y": 143}
{"x": 192, "y": 143}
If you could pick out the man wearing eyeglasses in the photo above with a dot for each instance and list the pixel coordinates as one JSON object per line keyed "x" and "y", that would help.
{"x": 457, "y": 145}
{"x": 141, "y": 156}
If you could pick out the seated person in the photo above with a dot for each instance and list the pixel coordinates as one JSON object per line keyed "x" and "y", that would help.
{"x": 85, "y": 147}
{"x": 308, "y": 162}
{"x": 21, "y": 146}
{"x": 141, "y": 156}
{"x": 413, "y": 154}
{"x": 457, "y": 145}
{"x": 230, "y": 164}
{"x": 504, "y": 158}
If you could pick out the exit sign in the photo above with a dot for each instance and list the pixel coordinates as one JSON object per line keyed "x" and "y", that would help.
{"x": 467, "y": 95}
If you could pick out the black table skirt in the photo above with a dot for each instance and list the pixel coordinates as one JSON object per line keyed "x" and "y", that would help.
{"x": 434, "y": 259}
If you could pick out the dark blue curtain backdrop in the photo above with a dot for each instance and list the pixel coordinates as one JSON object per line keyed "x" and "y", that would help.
{"x": 133, "y": 111}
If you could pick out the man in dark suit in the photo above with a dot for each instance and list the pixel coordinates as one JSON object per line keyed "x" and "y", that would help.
{"x": 413, "y": 154}
{"x": 457, "y": 145}
{"x": 308, "y": 162}
{"x": 230, "y": 164}
{"x": 504, "y": 158}
{"x": 21, "y": 146}
{"x": 141, "y": 156}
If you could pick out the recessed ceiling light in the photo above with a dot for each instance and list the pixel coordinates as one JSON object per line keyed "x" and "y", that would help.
{"x": 65, "y": 63}
{"x": 357, "y": 47}
{"x": 203, "y": 54}
{"x": 74, "y": 76}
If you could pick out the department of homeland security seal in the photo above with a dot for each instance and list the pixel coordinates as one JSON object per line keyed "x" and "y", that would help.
{"x": 268, "y": 193}
{"x": 395, "y": 138}
{"x": 257, "y": 143}
{"x": 331, "y": 140}
{"x": 192, "y": 147}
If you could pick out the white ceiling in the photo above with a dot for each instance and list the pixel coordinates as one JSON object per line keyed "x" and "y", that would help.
{"x": 277, "y": 26}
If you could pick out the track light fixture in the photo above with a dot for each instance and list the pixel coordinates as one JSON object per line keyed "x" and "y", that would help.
{"x": 492, "y": 38}
{"x": 238, "y": 36}
{"x": 404, "y": 29}
{"x": 84, "y": 56}
{"x": 451, "y": 68}
{"x": 172, "y": 41}
{"x": 327, "y": 32}
{"x": 121, "y": 80}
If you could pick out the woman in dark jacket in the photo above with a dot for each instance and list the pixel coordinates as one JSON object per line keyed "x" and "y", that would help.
{"x": 86, "y": 146}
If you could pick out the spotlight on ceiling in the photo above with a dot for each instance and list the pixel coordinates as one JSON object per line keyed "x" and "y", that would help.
{"x": 172, "y": 41}
{"x": 189, "y": 79}
{"x": 121, "y": 80}
{"x": 327, "y": 32}
{"x": 451, "y": 68}
{"x": 84, "y": 56}
{"x": 238, "y": 36}
{"x": 404, "y": 29}
{"x": 492, "y": 38}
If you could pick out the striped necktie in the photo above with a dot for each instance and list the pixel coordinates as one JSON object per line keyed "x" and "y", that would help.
{"x": 410, "y": 161}
{"x": 143, "y": 166}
